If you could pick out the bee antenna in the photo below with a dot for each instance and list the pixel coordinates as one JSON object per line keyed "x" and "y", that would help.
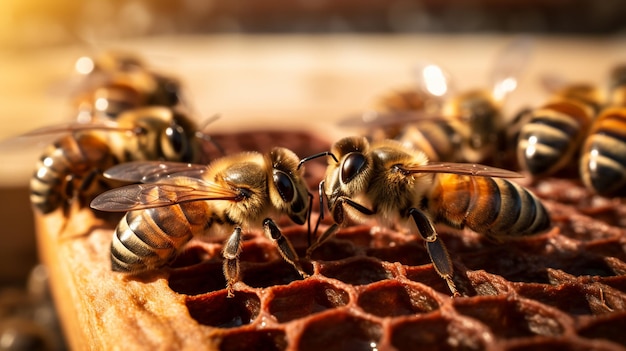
{"x": 321, "y": 216}
{"x": 310, "y": 210}
{"x": 209, "y": 120}
{"x": 205, "y": 137}
{"x": 312, "y": 157}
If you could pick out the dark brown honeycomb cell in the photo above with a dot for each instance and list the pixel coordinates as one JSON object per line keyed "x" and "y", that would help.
{"x": 258, "y": 340}
{"x": 510, "y": 317}
{"x": 359, "y": 271}
{"x": 609, "y": 326}
{"x": 560, "y": 344}
{"x": 390, "y": 298}
{"x": 217, "y": 310}
{"x": 411, "y": 254}
{"x": 570, "y": 298}
{"x": 436, "y": 332}
{"x": 305, "y": 298}
{"x": 428, "y": 276}
{"x": 339, "y": 330}
{"x": 258, "y": 251}
{"x": 334, "y": 250}
{"x": 198, "y": 279}
{"x": 270, "y": 274}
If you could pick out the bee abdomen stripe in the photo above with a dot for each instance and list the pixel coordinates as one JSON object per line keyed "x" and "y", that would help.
{"x": 511, "y": 206}
{"x": 485, "y": 204}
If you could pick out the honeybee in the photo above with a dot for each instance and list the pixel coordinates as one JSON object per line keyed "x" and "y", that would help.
{"x": 396, "y": 184}
{"x": 116, "y": 82}
{"x": 467, "y": 126}
{"x": 180, "y": 201}
{"x": 70, "y": 169}
{"x": 603, "y": 159}
{"x": 551, "y": 136}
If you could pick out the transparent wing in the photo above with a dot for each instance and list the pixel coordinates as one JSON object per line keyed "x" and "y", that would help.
{"x": 143, "y": 196}
{"x": 434, "y": 80}
{"x": 153, "y": 171}
{"x": 509, "y": 65}
{"x": 372, "y": 119}
{"x": 472, "y": 169}
{"x": 77, "y": 127}
{"x": 46, "y": 135}
{"x": 552, "y": 82}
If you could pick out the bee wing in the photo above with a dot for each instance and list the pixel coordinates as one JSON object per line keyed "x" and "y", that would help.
{"x": 552, "y": 82}
{"x": 472, "y": 169}
{"x": 77, "y": 127}
{"x": 371, "y": 119}
{"x": 143, "y": 196}
{"x": 434, "y": 80}
{"x": 509, "y": 66}
{"x": 153, "y": 171}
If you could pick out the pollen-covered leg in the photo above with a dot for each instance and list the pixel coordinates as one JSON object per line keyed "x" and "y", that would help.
{"x": 436, "y": 248}
{"x": 231, "y": 260}
{"x": 284, "y": 246}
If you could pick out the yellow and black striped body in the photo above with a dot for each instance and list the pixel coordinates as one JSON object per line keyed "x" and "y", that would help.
{"x": 478, "y": 118}
{"x": 71, "y": 168}
{"x": 603, "y": 159}
{"x": 148, "y": 239}
{"x": 438, "y": 139}
{"x": 264, "y": 186}
{"x": 118, "y": 82}
{"x": 554, "y": 133}
{"x": 495, "y": 207}
{"x": 552, "y": 136}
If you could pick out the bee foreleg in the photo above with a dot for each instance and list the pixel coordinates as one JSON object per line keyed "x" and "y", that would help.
{"x": 338, "y": 210}
{"x": 437, "y": 251}
{"x": 284, "y": 245}
{"x": 322, "y": 239}
{"x": 231, "y": 260}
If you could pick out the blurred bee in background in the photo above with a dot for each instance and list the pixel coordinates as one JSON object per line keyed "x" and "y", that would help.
{"x": 181, "y": 201}
{"x": 603, "y": 156}
{"x": 582, "y": 127}
{"x": 551, "y": 135}
{"x": 70, "y": 169}
{"x": 394, "y": 184}
{"x": 467, "y": 126}
{"x": 115, "y": 82}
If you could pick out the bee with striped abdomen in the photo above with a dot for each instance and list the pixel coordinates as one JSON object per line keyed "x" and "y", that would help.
{"x": 394, "y": 184}
{"x": 603, "y": 156}
{"x": 178, "y": 202}
{"x": 448, "y": 126}
{"x": 551, "y": 136}
{"x": 115, "y": 82}
{"x": 70, "y": 169}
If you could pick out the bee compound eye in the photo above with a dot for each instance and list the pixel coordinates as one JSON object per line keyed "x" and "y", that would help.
{"x": 175, "y": 136}
{"x": 351, "y": 166}
{"x": 284, "y": 185}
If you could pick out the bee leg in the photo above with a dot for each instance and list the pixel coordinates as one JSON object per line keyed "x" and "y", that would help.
{"x": 231, "y": 260}
{"x": 436, "y": 249}
{"x": 338, "y": 217}
{"x": 284, "y": 245}
{"x": 322, "y": 239}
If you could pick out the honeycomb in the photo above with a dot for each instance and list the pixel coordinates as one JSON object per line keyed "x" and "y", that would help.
{"x": 374, "y": 288}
